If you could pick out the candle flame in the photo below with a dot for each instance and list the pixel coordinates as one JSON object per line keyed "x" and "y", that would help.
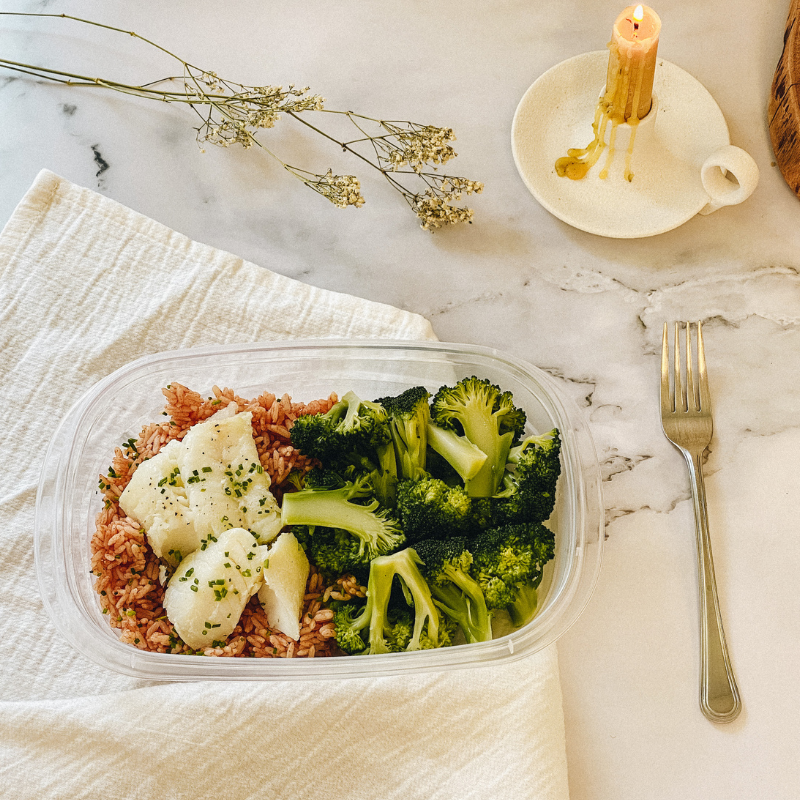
{"x": 638, "y": 14}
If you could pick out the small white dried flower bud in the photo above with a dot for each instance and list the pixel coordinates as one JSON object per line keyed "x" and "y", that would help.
{"x": 416, "y": 146}
{"x": 211, "y": 80}
{"x": 434, "y": 212}
{"x": 341, "y": 190}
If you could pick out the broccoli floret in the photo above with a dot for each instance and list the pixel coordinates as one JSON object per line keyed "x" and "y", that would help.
{"x": 352, "y": 426}
{"x": 379, "y": 618}
{"x": 398, "y": 628}
{"x": 354, "y": 434}
{"x": 408, "y": 415}
{"x": 446, "y": 565}
{"x": 401, "y": 630}
{"x": 462, "y": 455}
{"x": 346, "y": 626}
{"x": 297, "y": 479}
{"x": 333, "y": 551}
{"x": 487, "y": 416}
{"x": 431, "y": 509}
{"x": 507, "y": 564}
{"x": 523, "y": 608}
{"x": 528, "y": 493}
{"x": 351, "y": 507}
{"x": 384, "y": 475}
{"x": 317, "y": 478}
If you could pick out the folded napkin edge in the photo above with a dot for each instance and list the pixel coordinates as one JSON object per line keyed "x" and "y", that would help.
{"x": 49, "y": 186}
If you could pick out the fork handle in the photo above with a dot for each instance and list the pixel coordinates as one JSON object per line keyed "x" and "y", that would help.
{"x": 719, "y": 695}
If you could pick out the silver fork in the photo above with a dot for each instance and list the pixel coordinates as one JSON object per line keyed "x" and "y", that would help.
{"x": 687, "y": 423}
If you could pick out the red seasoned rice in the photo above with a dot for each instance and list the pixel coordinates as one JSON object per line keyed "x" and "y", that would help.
{"x": 127, "y": 569}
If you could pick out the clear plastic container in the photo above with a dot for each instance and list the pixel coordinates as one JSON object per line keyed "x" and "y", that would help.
{"x": 118, "y": 407}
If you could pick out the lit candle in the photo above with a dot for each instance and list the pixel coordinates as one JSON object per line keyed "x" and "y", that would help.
{"x": 628, "y": 94}
{"x": 632, "y": 62}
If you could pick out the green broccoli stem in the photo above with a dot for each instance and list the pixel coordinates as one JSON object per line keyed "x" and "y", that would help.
{"x": 332, "y": 508}
{"x": 462, "y": 455}
{"x": 524, "y": 606}
{"x": 479, "y": 614}
{"x": 483, "y": 433}
{"x": 384, "y": 478}
{"x": 463, "y": 601}
{"x": 407, "y": 417}
{"x": 410, "y": 444}
{"x": 379, "y": 588}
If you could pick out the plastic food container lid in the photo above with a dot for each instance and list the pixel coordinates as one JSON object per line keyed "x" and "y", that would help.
{"x": 119, "y": 406}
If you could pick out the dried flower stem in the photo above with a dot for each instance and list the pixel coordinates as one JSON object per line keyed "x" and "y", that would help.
{"x": 231, "y": 113}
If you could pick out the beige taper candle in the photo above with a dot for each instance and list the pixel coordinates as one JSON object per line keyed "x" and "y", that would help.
{"x": 632, "y": 62}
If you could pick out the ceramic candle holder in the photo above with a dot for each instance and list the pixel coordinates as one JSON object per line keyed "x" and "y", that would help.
{"x": 682, "y": 161}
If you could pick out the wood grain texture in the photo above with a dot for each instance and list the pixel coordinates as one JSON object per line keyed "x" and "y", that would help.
{"x": 784, "y": 104}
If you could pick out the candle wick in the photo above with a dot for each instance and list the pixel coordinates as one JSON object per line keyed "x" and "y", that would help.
{"x": 636, "y": 26}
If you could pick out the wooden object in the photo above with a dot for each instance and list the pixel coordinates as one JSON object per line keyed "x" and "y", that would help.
{"x": 784, "y": 104}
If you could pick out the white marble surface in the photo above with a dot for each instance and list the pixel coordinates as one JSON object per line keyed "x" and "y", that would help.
{"x": 587, "y": 309}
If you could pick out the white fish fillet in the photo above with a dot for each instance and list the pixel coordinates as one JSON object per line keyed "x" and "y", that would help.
{"x": 156, "y": 498}
{"x": 208, "y": 591}
{"x": 285, "y": 577}
{"x": 197, "y": 488}
{"x": 225, "y": 483}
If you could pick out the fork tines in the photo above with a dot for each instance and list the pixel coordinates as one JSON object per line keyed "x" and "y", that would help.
{"x": 675, "y": 396}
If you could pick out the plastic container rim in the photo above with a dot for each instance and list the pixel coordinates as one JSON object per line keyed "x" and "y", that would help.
{"x": 59, "y": 591}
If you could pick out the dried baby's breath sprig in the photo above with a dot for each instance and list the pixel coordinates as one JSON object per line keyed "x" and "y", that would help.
{"x": 341, "y": 190}
{"x": 435, "y": 212}
{"x": 232, "y": 113}
{"x": 415, "y": 145}
{"x": 433, "y": 207}
{"x": 407, "y": 154}
{"x": 396, "y": 144}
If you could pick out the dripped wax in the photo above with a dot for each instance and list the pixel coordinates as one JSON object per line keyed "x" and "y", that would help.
{"x": 628, "y": 95}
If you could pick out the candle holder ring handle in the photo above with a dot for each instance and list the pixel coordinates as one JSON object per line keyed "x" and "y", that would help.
{"x": 729, "y": 176}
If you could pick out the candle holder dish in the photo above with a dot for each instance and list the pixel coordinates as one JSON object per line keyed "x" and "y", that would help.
{"x": 682, "y": 161}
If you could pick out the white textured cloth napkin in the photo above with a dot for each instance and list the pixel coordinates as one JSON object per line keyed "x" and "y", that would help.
{"x": 87, "y": 285}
